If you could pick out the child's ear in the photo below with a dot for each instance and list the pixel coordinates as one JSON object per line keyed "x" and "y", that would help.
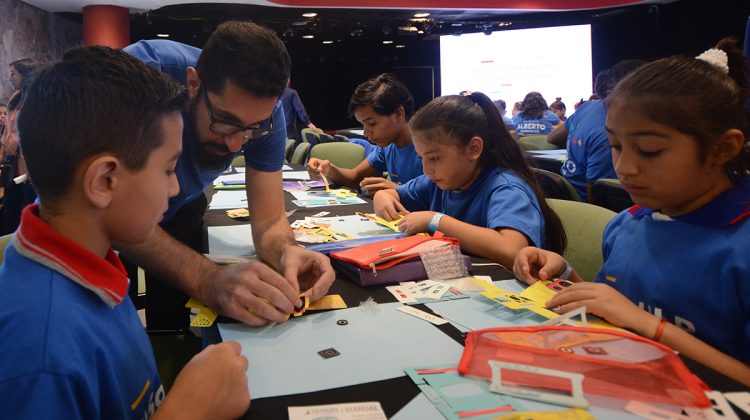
{"x": 193, "y": 81}
{"x": 727, "y": 146}
{"x": 475, "y": 147}
{"x": 400, "y": 113}
{"x": 100, "y": 180}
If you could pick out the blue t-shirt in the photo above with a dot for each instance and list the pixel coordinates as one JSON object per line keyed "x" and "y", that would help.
{"x": 262, "y": 154}
{"x": 532, "y": 126}
{"x": 589, "y": 155}
{"x": 498, "y": 198}
{"x": 693, "y": 270}
{"x": 401, "y": 163}
{"x": 293, "y": 108}
{"x": 74, "y": 346}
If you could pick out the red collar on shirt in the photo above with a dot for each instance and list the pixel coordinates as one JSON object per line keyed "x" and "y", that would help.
{"x": 729, "y": 208}
{"x": 35, "y": 240}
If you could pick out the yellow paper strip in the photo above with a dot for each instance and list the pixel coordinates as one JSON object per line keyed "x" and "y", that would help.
{"x": 328, "y": 302}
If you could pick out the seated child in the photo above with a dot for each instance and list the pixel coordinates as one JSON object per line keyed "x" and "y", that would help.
{"x": 383, "y": 105}
{"x": 101, "y": 133}
{"x": 676, "y": 265}
{"x": 476, "y": 185}
{"x": 534, "y": 117}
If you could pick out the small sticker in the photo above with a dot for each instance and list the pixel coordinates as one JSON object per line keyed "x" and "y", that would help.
{"x": 328, "y": 353}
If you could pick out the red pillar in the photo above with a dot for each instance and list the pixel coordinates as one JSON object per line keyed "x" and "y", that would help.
{"x": 106, "y": 25}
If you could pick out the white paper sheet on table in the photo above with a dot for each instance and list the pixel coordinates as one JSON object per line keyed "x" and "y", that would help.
{"x": 236, "y": 240}
{"x": 286, "y": 168}
{"x": 311, "y": 199}
{"x": 229, "y": 177}
{"x": 354, "y": 226}
{"x": 299, "y": 175}
{"x": 374, "y": 345}
{"x": 228, "y": 199}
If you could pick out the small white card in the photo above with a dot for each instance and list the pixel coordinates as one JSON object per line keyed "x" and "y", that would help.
{"x": 422, "y": 315}
{"x": 370, "y": 410}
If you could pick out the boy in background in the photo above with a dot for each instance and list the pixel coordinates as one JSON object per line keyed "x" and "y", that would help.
{"x": 74, "y": 345}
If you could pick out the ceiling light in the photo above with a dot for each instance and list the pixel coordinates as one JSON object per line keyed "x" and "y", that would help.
{"x": 421, "y": 15}
{"x": 487, "y": 29}
{"x": 308, "y": 36}
{"x": 420, "y": 32}
{"x": 309, "y": 15}
{"x": 356, "y": 32}
{"x": 163, "y": 35}
{"x": 387, "y": 42}
{"x": 328, "y": 42}
{"x": 400, "y": 46}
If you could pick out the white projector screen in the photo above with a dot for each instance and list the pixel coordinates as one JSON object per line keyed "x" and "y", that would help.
{"x": 507, "y": 65}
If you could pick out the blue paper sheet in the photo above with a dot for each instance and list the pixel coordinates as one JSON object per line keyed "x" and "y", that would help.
{"x": 372, "y": 346}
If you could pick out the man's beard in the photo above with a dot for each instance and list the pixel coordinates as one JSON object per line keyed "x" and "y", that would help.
{"x": 202, "y": 151}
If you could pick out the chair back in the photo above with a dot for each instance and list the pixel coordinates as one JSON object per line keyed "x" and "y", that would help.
{"x": 584, "y": 225}
{"x": 310, "y": 136}
{"x": 300, "y": 153}
{"x": 535, "y": 142}
{"x": 290, "y": 143}
{"x": 340, "y": 137}
{"x": 555, "y": 185}
{"x": 342, "y": 154}
{"x": 239, "y": 161}
{"x": 609, "y": 193}
{"x": 325, "y": 138}
{"x": 4, "y": 241}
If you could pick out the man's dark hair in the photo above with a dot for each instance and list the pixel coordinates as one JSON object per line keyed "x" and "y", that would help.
{"x": 385, "y": 94}
{"x": 95, "y": 100}
{"x": 250, "y": 56}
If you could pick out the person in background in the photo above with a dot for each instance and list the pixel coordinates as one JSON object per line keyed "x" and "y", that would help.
{"x": 294, "y": 112}
{"x": 676, "y": 265}
{"x": 476, "y": 185}
{"x": 73, "y": 343}
{"x": 534, "y": 117}
{"x": 558, "y": 108}
{"x": 500, "y": 105}
{"x": 585, "y": 137}
{"x": 516, "y": 109}
{"x": 383, "y": 105}
{"x": 3, "y": 117}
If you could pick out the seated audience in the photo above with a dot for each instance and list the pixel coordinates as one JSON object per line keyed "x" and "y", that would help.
{"x": 534, "y": 117}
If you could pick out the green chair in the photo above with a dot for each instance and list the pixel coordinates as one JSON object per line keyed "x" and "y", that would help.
{"x": 4, "y": 242}
{"x": 288, "y": 149}
{"x": 325, "y": 138}
{"x": 300, "y": 153}
{"x": 339, "y": 137}
{"x": 239, "y": 161}
{"x": 342, "y": 154}
{"x": 584, "y": 225}
{"x": 609, "y": 193}
{"x": 311, "y": 136}
{"x": 555, "y": 185}
{"x": 538, "y": 142}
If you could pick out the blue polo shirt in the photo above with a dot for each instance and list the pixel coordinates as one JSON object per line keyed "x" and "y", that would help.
{"x": 498, "y": 198}
{"x": 74, "y": 346}
{"x": 589, "y": 155}
{"x": 532, "y": 126}
{"x": 693, "y": 270}
{"x": 262, "y": 154}
{"x": 401, "y": 163}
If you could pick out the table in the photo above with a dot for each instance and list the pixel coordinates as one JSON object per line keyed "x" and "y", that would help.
{"x": 393, "y": 394}
{"x": 549, "y": 160}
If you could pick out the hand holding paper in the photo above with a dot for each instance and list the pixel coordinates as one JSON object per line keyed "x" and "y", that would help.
{"x": 373, "y": 184}
{"x": 532, "y": 264}
{"x": 310, "y": 271}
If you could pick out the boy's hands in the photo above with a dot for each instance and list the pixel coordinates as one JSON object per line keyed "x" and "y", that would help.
{"x": 416, "y": 222}
{"x": 387, "y": 206}
{"x": 372, "y": 184}
{"x": 316, "y": 167}
{"x": 212, "y": 385}
{"x": 532, "y": 264}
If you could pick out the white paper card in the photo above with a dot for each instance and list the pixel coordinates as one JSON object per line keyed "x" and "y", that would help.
{"x": 422, "y": 315}
{"x": 370, "y": 410}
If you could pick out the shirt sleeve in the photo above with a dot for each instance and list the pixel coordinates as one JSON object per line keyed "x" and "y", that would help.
{"x": 299, "y": 108}
{"x": 44, "y": 396}
{"x": 267, "y": 153}
{"x": 511, "y": 207}
{"x": 377, "y": 159}
{"x": 415, "y": 195}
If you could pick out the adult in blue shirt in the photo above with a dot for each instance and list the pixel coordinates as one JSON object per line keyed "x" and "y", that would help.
{"x": 234, "y": 85}
{"x": 383, "y": 105}
{"x": 534, "y": 117}
{"x": 294, "y": 111}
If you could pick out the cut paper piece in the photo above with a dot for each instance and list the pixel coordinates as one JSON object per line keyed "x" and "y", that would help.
{"x": 205, "y": 317}
{"x": 578, "y": 312}
{"x": 379, "y": 342}
{"x": 286, "y": 168}
{"x": 465, "y": 284}
{"x": 459, "y": 397}
{"x": 324, "y": 198}
{"x": 393, "y": 225}
{"x": 418, "y": 408}
{"x": 327, "y": 302}
{"x": 223, "y": 200}
{"x": 740, "y": 399}
{"x": 296, "y": 175}
{"x": 325, "y": 181}
{"x": 370, "y": 410}
{"x": 652, "y": 412}
{"x": 301, "y": 185}
{"x": 424, "y": 291}
{"x": 236, "y": 240}
{"x": 238, "y": 213}
{"x": 422, "y": 315}
{"x": 575, "y": 399}
{"x": 571, "y": 414}
{"x": 352, "y": 226}
{"x": 321, "y": 214}
{"x": 719, "y": 403}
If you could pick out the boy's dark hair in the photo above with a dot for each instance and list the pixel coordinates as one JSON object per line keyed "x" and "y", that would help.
{"x": 95, "y": 100}
{"x": 385, "y": 94}
{"x": 558, "y": 104}
{"x": 608, "y": 79}
{"x": 696, "y": 98}
{"x": 533, "y": 105}
{"x": 463, "y": 117}
{"x": 500, "y": 105}
{"x": 250, "y": 56}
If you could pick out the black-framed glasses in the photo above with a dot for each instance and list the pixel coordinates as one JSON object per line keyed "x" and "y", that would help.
{"x": 227, "y": 128}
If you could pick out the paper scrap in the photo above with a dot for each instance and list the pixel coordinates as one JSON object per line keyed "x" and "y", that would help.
{"x": 205, "y": 317}
{"x": 422, "y": 315}
{"x": 370, "y": 410}
{"x": 328, "y": 302}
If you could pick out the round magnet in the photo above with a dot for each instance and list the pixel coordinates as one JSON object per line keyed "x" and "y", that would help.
{"x": 342, "y": 322}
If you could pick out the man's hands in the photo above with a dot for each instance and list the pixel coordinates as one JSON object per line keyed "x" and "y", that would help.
{"x": 308, "y": 271}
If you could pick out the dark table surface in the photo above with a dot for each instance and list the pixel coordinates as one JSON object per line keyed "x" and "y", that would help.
{"x": 393, "y": 394}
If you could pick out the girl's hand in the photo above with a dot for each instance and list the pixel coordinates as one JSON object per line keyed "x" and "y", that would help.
{"x": 604, "y": 302}
{"x": 317, "y": 166}
{"x": 387, "y": 206}
{"x": 416, "y": 222}
{"x": 532, "y": 264}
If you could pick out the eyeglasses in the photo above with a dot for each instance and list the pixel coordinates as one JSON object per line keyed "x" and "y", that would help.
{"x": 226, "y": 128}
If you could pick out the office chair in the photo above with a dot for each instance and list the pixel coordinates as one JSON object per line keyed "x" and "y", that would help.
{"x": 325, "y": 138}
{"x": 290, "y": 143}
{"x": 537, "y": 142}
{"x": 584, "y": 225}
{"x": 300, "y": 153}
{"x": 610, "y": 194}
{"x": 555, "y": 185}
{"x": 340, "y": 137}
{"x": 342, "y": 154}
{"x": 310, "y": 136}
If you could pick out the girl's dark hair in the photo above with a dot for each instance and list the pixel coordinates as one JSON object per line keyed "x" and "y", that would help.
{"x": 474, "y": 115}
{"x": 533, "y": 105}
{"x": 27, "y": 68}
{"x": 696, "y": 98}
{"x": 558, "y": 104}
{"x": 385, "y": 94}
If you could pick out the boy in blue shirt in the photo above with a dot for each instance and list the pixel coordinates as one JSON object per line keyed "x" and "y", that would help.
{"x": 75, "y": 346}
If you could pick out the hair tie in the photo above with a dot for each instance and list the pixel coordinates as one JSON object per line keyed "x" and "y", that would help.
{"x": 716, "y": 57}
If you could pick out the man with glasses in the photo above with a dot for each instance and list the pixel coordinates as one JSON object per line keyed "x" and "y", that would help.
{"x": 234, "y": 85}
